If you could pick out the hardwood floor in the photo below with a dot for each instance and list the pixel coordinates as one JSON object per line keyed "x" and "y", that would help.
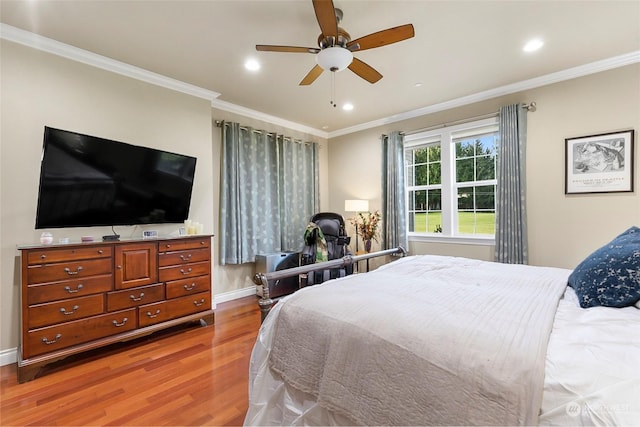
{"x": 186, "y": 376}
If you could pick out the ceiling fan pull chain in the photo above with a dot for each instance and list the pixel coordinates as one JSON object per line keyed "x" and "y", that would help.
{"x": 333, "y": 88}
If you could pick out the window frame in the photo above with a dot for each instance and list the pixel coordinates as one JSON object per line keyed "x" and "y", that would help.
{"x": 447, "y": 135}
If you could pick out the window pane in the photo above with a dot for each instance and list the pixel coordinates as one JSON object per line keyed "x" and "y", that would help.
{"x": 435, "y": 200}
{"x": 488, "y": 144}
{"x": 486, "y": 168}
{"x": 421, "y": 155}
{"x": 422, "y": 175}
{"x": 435, "y": 173}
{"x": 434, "y": 153}
{"x": 485, "y": 197}
{"x": 410, "y": 176}
{"x": 485, "y": 223}
{"x": 465, "y": 170}
{"x": 420, "y": 200}
{"x": 434, "y": 222}
{"x": 465, "y": 148}
{"x": 465, "y": 198}
{"x": 434, "y": 214}
{"x": 418, "y": 222}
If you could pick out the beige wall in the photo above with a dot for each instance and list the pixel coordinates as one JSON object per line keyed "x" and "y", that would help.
{"x": 40, "y": 89}
{"x": 562, "y": 229}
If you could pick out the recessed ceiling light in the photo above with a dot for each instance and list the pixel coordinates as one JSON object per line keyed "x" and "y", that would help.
{"x": 252, "y": 65}
{"x": 533, "y": 45}
{"x": 417, "y": 84}
{"x": 347, "y": 107}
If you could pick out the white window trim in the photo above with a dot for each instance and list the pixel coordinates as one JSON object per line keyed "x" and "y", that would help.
{"x": 445, "y": 135}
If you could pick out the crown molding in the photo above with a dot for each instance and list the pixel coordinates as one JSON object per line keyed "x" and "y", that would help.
{"x": 45, "y": 44}
{"x": 247, "y": 112}
{"x": 568, "y": 74}
{"x": 48, "y": 45}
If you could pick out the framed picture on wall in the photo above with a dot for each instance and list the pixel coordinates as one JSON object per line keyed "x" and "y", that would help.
{"x": 599, "y": 163}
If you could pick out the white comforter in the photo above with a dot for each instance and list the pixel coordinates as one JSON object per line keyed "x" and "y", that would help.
{"x": 422, "y": 340}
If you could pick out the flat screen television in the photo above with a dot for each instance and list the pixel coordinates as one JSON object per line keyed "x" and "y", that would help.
{"x": 90, "y": 181}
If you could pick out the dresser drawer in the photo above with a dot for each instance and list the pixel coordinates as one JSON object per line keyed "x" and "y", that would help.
{"x": 47, "y": 292}
{"x": 45, "y": 256}
{"x": 183, "y": 244}
{"x": 171, "y": 309}
{"x": 180, "y": 288}
{"x": 182, "y": 257}
{"x": 134, "y": 297}
{"x": 68, "y": 270}
{"x": 65, "y": 310}
{"x": 185, "y": 271}
{"x": 44, "y": 340}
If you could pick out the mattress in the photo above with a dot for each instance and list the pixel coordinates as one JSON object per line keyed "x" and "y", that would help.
{"x": 591, "y": 374}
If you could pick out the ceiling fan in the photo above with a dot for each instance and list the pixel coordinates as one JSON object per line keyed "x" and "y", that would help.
{"x": 335, "y": 51}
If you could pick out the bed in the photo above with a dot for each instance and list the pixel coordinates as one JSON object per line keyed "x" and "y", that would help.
{"x": 432, "y": 340}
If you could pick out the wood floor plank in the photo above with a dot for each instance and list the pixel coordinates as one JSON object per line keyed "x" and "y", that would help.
{"x": 186, "y": 376}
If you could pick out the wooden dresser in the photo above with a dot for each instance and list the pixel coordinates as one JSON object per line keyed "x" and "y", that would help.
{"x": 78, "y": 297}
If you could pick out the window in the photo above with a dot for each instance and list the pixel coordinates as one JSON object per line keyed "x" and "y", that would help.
{"x": 451, "y": 180}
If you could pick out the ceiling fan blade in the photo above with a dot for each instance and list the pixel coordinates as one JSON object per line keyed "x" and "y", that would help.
{"x": 311, "y": 76}
{"x": 383, "y": 38}
{"x": 326, "y": 16}
{"x": 364, "y": 70}
{"x": 292, "y": 49}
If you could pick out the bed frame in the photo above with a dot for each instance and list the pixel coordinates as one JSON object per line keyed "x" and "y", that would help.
{"x": 262, "y": 279}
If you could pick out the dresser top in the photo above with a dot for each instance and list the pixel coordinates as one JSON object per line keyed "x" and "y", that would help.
{"x": 109, "y": 242}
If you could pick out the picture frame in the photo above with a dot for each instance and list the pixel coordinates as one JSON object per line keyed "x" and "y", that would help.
{"x": 601, "y": 163}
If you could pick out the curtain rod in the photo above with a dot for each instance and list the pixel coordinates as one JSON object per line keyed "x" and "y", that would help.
{"x": 220, "y": 123}
{"x": 530, "y": 107}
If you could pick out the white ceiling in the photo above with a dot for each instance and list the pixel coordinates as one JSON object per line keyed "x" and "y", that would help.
{"x": 460, "y": 49}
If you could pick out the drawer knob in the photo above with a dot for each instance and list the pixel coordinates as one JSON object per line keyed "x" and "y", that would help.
{"x": 53, "y": 341}
{"x": 198, "y": 304}
{"x": 134, "y": 298}
{"x": 185, "y": 272}
{"x": 189, "y": 287}
{"x": 73, "y": 273}
{"x": 167, "y": 246}
{"x": 117, "y": 325}
{"x": 185, "y": 257}
{"x": 66, "y": 313}
{"x": 43, "y": 256}
{"x": 100, "y": 252}
{"x": 73, "y": 291}
{"x": 153, "y": 315}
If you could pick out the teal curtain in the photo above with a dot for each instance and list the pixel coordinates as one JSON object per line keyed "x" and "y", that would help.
{"x": 511, "y": 216}
{"x": 298, "y": 173}
{"x": 394, "y": 207}
{"x": 269, "y": 190}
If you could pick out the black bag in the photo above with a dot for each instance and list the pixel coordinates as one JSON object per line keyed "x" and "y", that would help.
{"x": 325, "y": 240}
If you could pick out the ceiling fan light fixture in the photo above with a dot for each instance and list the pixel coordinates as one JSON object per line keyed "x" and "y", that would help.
{"x": 334, "y": 58}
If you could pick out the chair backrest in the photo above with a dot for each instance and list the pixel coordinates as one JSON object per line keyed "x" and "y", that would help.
{"x": 333, "y": 230}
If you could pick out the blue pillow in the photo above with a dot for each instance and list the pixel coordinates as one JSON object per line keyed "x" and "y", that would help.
{"x": 611, "y": 275}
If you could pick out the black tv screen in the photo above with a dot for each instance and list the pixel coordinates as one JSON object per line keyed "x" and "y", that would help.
{"x": 91, "y": 181}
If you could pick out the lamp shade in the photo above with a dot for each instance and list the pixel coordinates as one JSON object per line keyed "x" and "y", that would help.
{"x": 356, "y": 205}
{"x": 334, "y": 58}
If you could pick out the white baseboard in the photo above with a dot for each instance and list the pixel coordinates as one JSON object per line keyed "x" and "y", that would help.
{"x": 231, "y": 295}
{"x": 9, "y": 356}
